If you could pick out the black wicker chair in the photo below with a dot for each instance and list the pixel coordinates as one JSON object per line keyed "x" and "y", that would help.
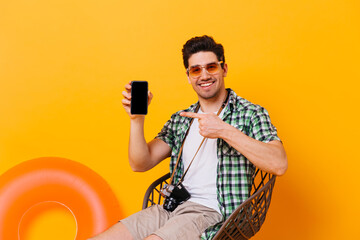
{"x": 246, "y": 220}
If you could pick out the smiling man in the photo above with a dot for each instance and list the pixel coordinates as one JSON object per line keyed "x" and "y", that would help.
{"x": 215, "y": 146}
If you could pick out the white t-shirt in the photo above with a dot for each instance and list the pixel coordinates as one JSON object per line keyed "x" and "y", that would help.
{"x": 200, "y": 180}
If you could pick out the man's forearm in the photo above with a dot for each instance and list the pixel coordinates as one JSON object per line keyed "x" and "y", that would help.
{"x": 270, "y": 157}
{"x": 138, "y": 149}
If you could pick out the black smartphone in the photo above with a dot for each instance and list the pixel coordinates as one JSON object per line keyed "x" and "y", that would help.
{"x": 139, "y": 97}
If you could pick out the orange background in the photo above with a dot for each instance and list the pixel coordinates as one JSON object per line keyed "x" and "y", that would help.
{"x": 63, "y": 65}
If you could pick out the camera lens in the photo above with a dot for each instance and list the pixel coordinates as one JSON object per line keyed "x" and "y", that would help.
{"x": 170, "y": 204}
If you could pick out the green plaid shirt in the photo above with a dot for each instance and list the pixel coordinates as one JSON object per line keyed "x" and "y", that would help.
{"x": 234, "y": 170}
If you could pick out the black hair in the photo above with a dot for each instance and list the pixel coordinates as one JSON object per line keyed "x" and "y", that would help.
{"x": 202, "y": 44}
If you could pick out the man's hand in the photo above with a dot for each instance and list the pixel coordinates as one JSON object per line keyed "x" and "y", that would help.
{"x": 210, "y": 125}
{"x": 126, "y": 102}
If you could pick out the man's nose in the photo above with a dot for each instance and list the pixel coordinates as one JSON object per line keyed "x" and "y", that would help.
{"x": 204, "y": 74}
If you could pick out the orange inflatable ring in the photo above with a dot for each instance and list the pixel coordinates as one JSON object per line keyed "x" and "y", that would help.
{"x": 59, "y": 180}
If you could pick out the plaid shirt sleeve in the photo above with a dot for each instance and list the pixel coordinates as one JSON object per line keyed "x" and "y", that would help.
{"x": 261, "y": 127}
{"x": 167, "y": 132}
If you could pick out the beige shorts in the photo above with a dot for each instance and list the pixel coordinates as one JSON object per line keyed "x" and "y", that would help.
{"x": 188, "y": 221}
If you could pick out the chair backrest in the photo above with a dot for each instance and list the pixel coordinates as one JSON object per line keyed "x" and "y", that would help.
{"x": 248, "y": 217}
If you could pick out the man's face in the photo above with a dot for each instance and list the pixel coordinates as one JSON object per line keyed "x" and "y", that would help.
{"x": 207, "y": 85}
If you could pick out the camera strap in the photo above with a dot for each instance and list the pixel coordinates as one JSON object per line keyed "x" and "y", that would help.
{"x": 182, "y": 145}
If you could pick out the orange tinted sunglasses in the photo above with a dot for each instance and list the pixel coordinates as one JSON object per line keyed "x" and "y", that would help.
{"x": 211, "y": 68}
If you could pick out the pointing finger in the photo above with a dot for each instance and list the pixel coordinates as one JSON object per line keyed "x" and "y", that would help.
{"x": 191, "y": 115}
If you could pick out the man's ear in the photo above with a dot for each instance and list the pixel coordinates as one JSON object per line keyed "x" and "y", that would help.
{"x": 187, "y": 74}
{"x": 225, "y": 69}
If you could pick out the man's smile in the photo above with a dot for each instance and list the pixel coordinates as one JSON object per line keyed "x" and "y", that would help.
{"x": 207, "y": 84}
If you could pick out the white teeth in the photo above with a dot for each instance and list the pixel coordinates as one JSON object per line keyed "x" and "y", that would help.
{"x": 205, "y": 84}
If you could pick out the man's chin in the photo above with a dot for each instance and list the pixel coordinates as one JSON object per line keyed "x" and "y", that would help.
{"x": 207, "y": 95}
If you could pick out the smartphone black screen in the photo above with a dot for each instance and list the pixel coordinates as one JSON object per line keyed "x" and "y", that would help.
{"x": 139, "y": 97}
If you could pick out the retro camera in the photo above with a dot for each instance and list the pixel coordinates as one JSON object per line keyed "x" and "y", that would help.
{"x": 174, "y": 196}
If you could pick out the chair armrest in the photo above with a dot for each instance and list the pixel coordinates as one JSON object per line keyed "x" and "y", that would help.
{"x": 154, "y": 189}
{"x": 249, "y": 216}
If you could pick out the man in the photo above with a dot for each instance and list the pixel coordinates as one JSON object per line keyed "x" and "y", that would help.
{"x": 238, "y": 136}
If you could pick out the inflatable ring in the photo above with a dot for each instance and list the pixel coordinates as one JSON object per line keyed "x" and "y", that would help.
{"x": 60, "y": 180}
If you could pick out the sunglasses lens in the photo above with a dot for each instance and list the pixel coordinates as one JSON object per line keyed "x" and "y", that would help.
{"x": 195, "y": 71}
{"x": 212, "y": 67}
